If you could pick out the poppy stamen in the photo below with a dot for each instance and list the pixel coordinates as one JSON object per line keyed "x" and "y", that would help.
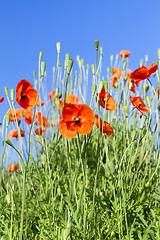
{"x": 23, "y": 95}
{"x": 76, "y": 120}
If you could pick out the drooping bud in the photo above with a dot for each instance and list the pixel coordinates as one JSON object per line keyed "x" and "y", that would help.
{"x": 9, "y": 142}
{"x": 101, "y": 50}
{"x": 145, "y": 87}
{"x": 93, "y": 68}
{"x": 116, "y": 85}
{"x": 125, "y": 110}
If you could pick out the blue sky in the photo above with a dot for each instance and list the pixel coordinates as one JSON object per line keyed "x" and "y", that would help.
{"x": 28, "y": 27}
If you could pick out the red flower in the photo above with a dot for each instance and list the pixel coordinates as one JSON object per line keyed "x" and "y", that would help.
{"x": 52, "y": 94}
{"x": 14, "y": 133}
{"x": 106, "y": 102}
{"x": 69, "y": 99}
{"x": 76, "y": 118}
{"x": 126, "y": 53}
{"x": 104, "y": 126}
{"x": 28, "y": 116}
{"x": 26, "y": 95}
{"x": 139, "y": 104}
{"x": 40, "y": 131}
{"x": 42, "y": 120}
{"x": 142, "y": 73}
{"x": 15, "y": 114}
{"x": 13, "y": 167}
{"x": 1, "y": 99}
{"x": 39, "y": 103}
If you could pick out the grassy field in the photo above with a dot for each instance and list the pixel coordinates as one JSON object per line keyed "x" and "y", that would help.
{"x": 104, "y": 184}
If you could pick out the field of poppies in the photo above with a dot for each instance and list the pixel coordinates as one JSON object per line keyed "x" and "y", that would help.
{"x": 82, "y": 160}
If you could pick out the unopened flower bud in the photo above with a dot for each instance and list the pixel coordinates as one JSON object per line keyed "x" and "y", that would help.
{"x": 145, "y": 87}
{"x": 97, "y": 44}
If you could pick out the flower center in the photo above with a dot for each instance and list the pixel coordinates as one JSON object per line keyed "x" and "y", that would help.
{"x": 104, "y": 100}
{"x": 76, "y": 120}
{"x": 139, "y": 104}
{"x": 23, "y": 95}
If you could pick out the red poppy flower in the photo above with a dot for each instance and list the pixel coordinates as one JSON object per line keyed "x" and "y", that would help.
{"x": 12, "y": 167}
{"x": 39, "y": 131}
{"x": 26, "y": 96}
{"x": 42, "y": 120}
{"x": 126, "y": 53}
{"x": 128, "y": 71}
{"x": 114, "y": 79}
{"x": 106, "y": 102}
{"x": 39, "y": 103}
{"x": 69, "y": 99}
{"x": 139, "y": 104}
{"x": 142, "y": 73}
{"x": 76, "y": 118}
{"x": 15, "y": 114}
{"x": 158, "y": 91}
{"x": 104, "y": 126}
{"x": 52, "y": 94}
{"x": 28, "y": 116}
{"x": 14, "y": 133}
{"x": 1, "y": 99}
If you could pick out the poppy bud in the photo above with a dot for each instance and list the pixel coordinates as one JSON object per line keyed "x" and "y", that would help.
{"x": 38, "y": 139}
{"x": 116, "y": 85}
{"x": 100, "y": 86}
{"x": 43, "y": 66}
{"x": 12, "y": 94}
{"x": 6, "y": 91}
{"x": 125, "y": 78}
{"x": 54, "y": 70}
{"x": 9, "y": 142}
{"x": 58, "y": 45}
{"x": 101, "y": 50}
{"x": 146, "y": 58}
{"x": 145, "y": 87}
{"x": 66, "y": 233}
{"x": 125, "y": 110}
{"x": 156, "y": 62}
{"x": 141, "y": 62}
{"x": 93, "y": 69}
{"x": 94, "y": 87}
{"x": 148, "y": 101}
{"x": 40, "y": 55}
{"x": 108, "y": 69}
{"x": 67, "y": 57}
{"x": 70, "y": 64}
{"x": 57, "y": 104}
{"x": 34, "y": 74}
{"x": 111, "y": 58}
{"x": 159, "y": 53}
{"x": 7, "y": 119}
{"x": 105, "y": 85}
{"x": 97, "y": 44}
{"x": 43, "y": 158}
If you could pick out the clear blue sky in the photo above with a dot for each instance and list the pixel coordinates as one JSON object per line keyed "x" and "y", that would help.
{"x": 28, "y": 27}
